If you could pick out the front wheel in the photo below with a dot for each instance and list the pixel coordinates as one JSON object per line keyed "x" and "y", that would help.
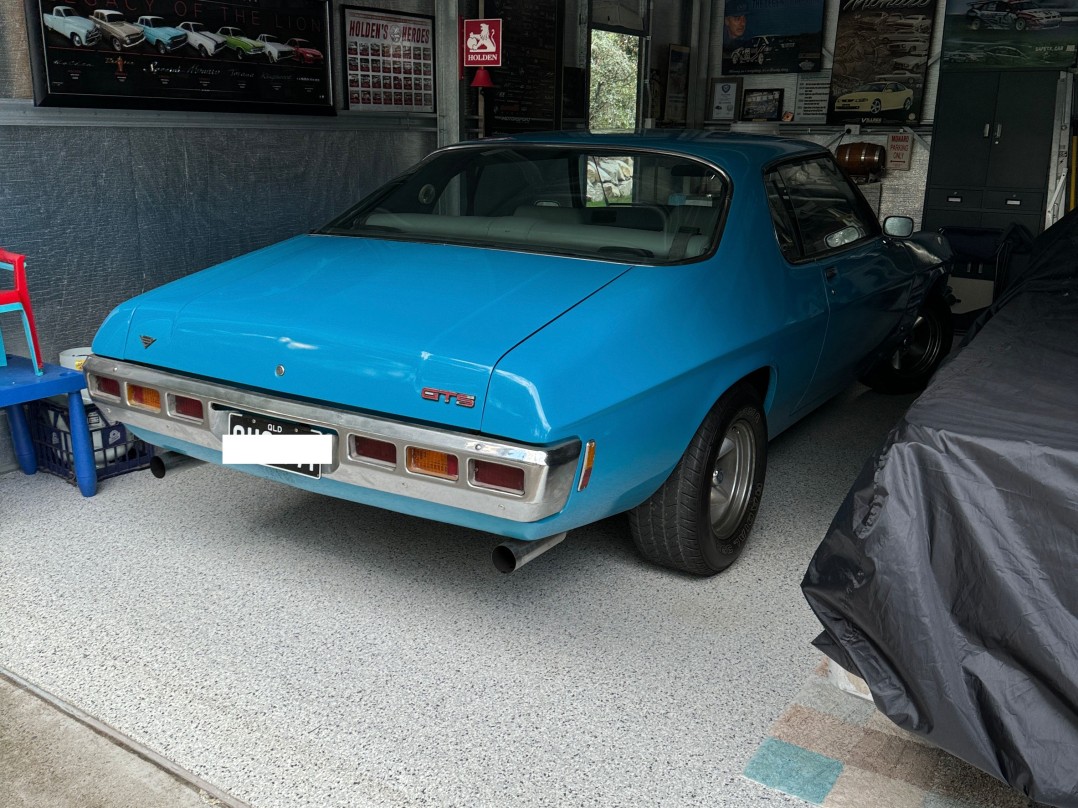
{"x": 239, "y": 54}
{"x": 76, "y": 40}
{"x": 909, "y": 368}
{"x": 116, "y": 44}
{"x": 1019, "y": 24}
{"x": 699, "y": 520}
{"x": 875, "y": 106}
{"x": 161, "y": 47}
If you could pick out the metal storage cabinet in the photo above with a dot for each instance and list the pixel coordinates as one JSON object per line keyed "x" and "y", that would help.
{"x": 991, "y": 149}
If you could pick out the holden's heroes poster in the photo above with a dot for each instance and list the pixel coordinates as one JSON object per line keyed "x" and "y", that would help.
{"x": 881, "y": 56}
{"x": 389, "y": 61}
{"x": 236, "y": 55}
{"x": 994, "y": 34}
{"x": 772, "y": 36}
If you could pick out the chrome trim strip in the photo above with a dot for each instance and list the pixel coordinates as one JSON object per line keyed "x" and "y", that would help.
{"x": 549, "y": 471}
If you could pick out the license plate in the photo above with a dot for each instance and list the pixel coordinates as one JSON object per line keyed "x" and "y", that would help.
{"x": 240, "y": 424}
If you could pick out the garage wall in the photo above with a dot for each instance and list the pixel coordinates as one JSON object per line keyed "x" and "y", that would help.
{"x": 108, "y": 204}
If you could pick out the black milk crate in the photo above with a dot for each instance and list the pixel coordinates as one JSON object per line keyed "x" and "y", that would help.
{"x": 116, "y": 451}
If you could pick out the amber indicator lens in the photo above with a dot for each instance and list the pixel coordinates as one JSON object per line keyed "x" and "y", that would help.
{"x": 189, "y": 407}
{"x": 431, "y": 463}
{"x": 145, "y": 397}
{"x": 589, "y": 462}
{"x": 495, "y": 475}
{"x": 110, "y": 387}
{"x": 377, "y": 450}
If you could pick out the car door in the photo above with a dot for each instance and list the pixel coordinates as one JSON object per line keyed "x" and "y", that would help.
{"x": 867, "y": 277}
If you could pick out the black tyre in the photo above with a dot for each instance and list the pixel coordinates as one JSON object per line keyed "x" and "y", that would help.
{"x": 161, "y": 47}
{"x": 239, "y": 54}
{"x": 116, "y": 44}
{"x": 1019, "y": 24}
{"x": 875, "y": 106}
{"x": 76, "y": 40}
{"x": 975, "y": 24}
{"x": 911, "y": 366}
{"x": 701, "y": 517}
{"x": 204, "y": 53}
{"x": 907, "y": 105}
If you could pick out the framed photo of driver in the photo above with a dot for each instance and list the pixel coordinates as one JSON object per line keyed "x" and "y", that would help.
{"x": 761, "y": 36}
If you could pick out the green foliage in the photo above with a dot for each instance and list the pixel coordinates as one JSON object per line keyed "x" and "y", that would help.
{"x": 615, "y": 65}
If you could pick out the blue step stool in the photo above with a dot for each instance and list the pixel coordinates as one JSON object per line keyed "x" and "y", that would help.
{"x": 20, "y": 383}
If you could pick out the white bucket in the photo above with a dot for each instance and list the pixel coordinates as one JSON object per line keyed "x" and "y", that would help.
{"x": 73, "y": 358}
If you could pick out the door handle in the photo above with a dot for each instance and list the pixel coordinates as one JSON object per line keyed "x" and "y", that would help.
{"x": 987, "y": 128}
{"x": 999, "y": 131}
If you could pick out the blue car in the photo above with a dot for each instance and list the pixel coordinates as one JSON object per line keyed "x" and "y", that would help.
{"x": 527, "y": 335}
{"x": 165, "y": 38}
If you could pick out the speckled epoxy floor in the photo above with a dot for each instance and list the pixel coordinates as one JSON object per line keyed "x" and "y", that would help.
{"x": 300, "y": 651}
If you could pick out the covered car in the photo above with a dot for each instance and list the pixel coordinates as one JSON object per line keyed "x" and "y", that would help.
{"x": 494, "y": 340}
{"x": 946, "y": 580}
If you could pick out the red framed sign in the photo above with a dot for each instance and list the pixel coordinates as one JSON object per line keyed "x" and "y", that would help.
{"x": 482, "y": 43}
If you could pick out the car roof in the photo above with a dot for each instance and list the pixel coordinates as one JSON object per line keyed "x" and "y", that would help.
{"x": 728, "y": 150}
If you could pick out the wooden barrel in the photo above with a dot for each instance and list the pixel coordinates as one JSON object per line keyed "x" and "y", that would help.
{"x": 860, "y": 159}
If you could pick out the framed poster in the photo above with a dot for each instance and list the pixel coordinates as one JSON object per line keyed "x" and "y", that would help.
{"x": 994, "y": 35}
{"x": 724, "y": 99}
{"x": 762, "y": 105}
{"x": 881, "y": 57}
{"x": 388, "y": 61}
{"x": 772, "y": 36}
{"x": 677, "y": 85}
{"x": 224, "y": 55}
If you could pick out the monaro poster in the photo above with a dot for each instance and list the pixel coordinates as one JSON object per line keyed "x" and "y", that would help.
{"x": 881, "y": 57}
{"x": 222, "y": 55}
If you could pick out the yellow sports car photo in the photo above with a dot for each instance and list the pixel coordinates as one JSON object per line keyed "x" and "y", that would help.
{"x": 876, "y": 97}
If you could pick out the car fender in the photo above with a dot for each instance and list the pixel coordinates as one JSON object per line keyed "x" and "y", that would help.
{"x": 636, "y": 367}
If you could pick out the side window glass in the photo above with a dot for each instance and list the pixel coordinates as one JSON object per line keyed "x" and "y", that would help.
{"x": 610, "y": 180}
{"x": 827, "y": 210}
{"x": 778, "y": 201}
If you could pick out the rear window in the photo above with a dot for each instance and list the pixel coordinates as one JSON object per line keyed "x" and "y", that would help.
{"x": 623, "y": 205}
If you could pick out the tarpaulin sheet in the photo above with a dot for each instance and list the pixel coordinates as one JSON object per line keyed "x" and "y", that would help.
{"x": 948, "y": 580}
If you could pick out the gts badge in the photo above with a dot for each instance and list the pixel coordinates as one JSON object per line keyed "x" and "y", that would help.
{"x": 449, "y": 397}
{"x": 147, "y": 341}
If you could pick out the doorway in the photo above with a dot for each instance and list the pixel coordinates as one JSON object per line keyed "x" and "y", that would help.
{"x": 613, "y": 91}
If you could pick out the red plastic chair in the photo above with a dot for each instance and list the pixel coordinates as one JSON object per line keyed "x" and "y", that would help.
{"x": 18, "y": 299}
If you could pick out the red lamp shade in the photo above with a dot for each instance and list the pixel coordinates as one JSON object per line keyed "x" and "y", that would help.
{"x": 482, "y": 78}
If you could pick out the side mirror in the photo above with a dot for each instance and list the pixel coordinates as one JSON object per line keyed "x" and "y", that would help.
{"x": 898, "y": 226}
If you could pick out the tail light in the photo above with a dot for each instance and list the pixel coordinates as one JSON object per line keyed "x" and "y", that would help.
{"x": 188, "y": 407}
{"x": 379, "y": 451}
{"x": 107, "y": 386}
{"x": 499, "y": 476}
{"x": 432, "y": 463}
{"x": 144, "y": 397}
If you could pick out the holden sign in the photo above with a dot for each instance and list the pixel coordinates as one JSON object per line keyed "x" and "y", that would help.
{"x": 482, "y": 43}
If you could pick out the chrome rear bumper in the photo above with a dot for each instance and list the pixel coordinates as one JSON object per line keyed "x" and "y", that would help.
{"x": 549, "y": 471}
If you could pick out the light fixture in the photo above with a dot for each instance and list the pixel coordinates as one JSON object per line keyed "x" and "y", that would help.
{"x": 482, "y": 78}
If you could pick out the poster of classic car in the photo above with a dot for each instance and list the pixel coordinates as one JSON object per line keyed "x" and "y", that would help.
{"x": 991, "y": 34}
{"x": 881, "y": 57}
{"x": 238, "y": 55}
{"x": 760, "y": 37}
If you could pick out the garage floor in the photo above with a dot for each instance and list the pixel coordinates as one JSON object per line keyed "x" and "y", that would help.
{"x": 300, "y": 651}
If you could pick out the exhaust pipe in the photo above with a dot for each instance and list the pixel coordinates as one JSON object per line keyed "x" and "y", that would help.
{"x": 160, "y": 463}
{"x": 512, "y": 554}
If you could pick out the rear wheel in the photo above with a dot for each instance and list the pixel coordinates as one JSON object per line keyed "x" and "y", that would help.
{"x": 701, "y": 517}
{"x": 909, "y": 368}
